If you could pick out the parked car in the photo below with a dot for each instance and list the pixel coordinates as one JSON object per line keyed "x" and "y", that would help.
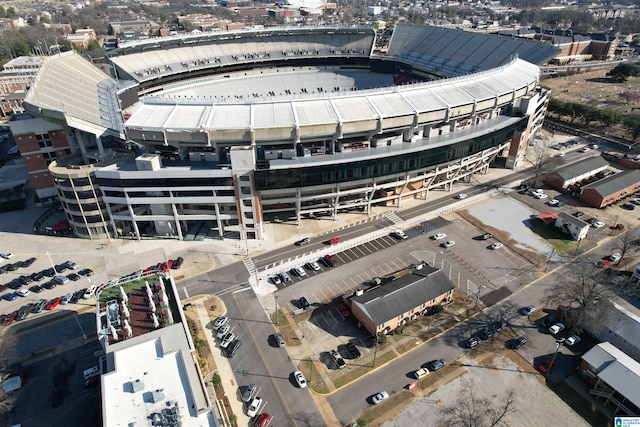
{"x": 528, "y": 310}
{"x": 313, "y": 266}
{"x": 39, "y": 306}
{"x": 49, "y": 285}
{"x": 540, "y": 196}
{"x": 300, "y": 380}
{"x": 67, "y": 298}
{"x": 285, "y": 277}
{"x": 573, "y": 339}
{"x": 353, "y": 351}
{"x": 496, "y": 245}
{"x": 304, "y": 303}
{"x": 303, "y": 242}
{"x": 438, "y": 236}
{"x": 88, "y": 293}
{"x": 27, "y": 263}
{"x": 73, "y": 277}
{"x": 434, "y": 365}
{"x": 262, "y": 420}
{"x": 10, "y": 296}
{"x": 254, "y": 407}
{"x": 53, "y": 303}
{"x": 177, "y": 263}
{"x": 344, "y": 311}
{"x": 337, "y": 359}
{"x": 249, "y": 392}
{"x": 448, "y": 244}
{"x": 546, "y": 365}
{"x": 61, "y": 280}
{"x": 615, "y": 257}
{"x": 518, "y": 342}
{"x": 86, "y": 272}
{"x": 222, "y": 331}
{"x": 71, "y": 265}
{"x": 379, "y": 397}
{"x": 548, "y": 321}
{"x": 299, "y": 271}
{"x": 330, "y": 261}
{"x": 486, "y": 236}
{"x": 628, "y": 206}
{"x": 61, "y": 268}
{"x": 227, "y": 339}
{"x": 578, "y": 214}
{"x": 49, "y": 272}
{"x": 36, "y": 277}
{"x": 36, "y": 289}
{"x": 276, "y": 280}
{"x": 279, "y": 340}
{"x": 399, "y": 234}
{"x": 421, "y": 373}
{"x": 487, "y": 333}
{"x": 553, "y": 202}
{"x": 6, "y": 255}
{"x": 597, "y": 224}
{"x": 233, "y": 348}
{"x": 472, "y": 342}
{"x": 222, "y": 320}
{"x": 23, "y": 292}
{"x": 10, "y": 318}
{"x": 554, "y": 329}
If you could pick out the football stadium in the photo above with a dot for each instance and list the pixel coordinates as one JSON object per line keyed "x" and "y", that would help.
{"x": 213, "y": 135}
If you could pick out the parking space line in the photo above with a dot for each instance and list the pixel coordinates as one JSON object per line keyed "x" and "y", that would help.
{"x": 359, "y": 248}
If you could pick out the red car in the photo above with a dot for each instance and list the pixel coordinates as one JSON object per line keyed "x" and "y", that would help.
{"x": 9, "y": 319}
{"x": 343, "y": 310}
{"x": 262, "y": 420}
{"x": 546, "y": 365}
{"x": 330, "y": 261}
{"x": 334, "y": 240}
{"x": 53, "y": 303}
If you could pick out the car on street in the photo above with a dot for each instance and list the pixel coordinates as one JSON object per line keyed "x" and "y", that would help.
{"x": 526, "y": 311}
{"x": 279, "y": 340}
{"x": 313, "y": 266}
{"x": 262, "y": 420}
{"x": 303, "y": 242}
{"x": 558, "y": 327}
{"x": 330, "y": 261}
{"x": 561, "y": 154}
{"x": 447, "y": 244}
{"x": 584, "y": 150}
{"x": 421, "y": 373}
{"x": 461, "y": 196}
{"x": 334, "y": 240}
{"x": 434, "y": 365}
{"x": 496, "y": 245}
{"x": 222, "y": 320}
{"x": 52, "y": 304}
{"x": 344, "y": 311}
{"x": 304, "y": 303}
{"x": 472, "y": 342}
{"x": 615, "y": 257}
{"x": 486, "y": 236}
{"x": 222, "y": 331}
{"x": 299, "y": 271}
{"x": 249, "y": 392}
{"x": 399, "y": 234}
{"x": 379, "y": 397}
{"x": 227, "y": 339}
{"x": 353, "y": 351}
{"x": 597, "y": 224}
{"x": 573, "y": 339}
{"x": 300, "y": 380}
{"x": 438, "y": 236}
{"x": 516, "y": 343}
{"x": 254, "y": 407}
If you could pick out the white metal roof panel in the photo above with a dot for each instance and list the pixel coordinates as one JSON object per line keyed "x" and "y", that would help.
{"x": 185, "y": 116}
{"x": 318, "y": 111}
{"x": 391, "y": 104}
{"x": 272, "y": 115}
{"x": 424, "y": 100}
{"x": 150, "y": 116}
{"x": 231, "y": 117}
{"x": 354, "y": 109}
{"x": 452, "y": 95}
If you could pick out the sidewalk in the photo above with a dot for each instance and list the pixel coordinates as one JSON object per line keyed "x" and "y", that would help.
{"x": 223, "y": 368}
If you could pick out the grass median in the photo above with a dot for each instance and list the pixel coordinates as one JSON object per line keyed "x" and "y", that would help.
{"x": 383, "y": 408}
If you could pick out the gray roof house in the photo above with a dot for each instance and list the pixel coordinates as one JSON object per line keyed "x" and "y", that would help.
{"x": 569, "y": 224}
{"x": 391, "y": 305}
{"x": 575, "y": 172}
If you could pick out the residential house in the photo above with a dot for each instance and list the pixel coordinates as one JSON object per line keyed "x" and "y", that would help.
{"x": 575, "y": 172}
{"x": 569, "y": 224}
{"x": 390, "y": 306}
{"x": 611, "y": 189}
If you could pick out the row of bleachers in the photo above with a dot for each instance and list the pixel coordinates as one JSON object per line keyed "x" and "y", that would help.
{"x": 155, "y": 63}
{"x": 454, "y": 51}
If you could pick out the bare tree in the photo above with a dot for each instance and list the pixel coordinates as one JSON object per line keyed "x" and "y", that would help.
{"x": 7, "y": 356}
{"x": 582, "y": 292}
{"x": 541, "y": 159}
{"x": 471, "y": 410}
{"x": 627, "y": 242}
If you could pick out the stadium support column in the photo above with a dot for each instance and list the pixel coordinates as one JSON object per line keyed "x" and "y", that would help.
{"x": 243, "y": 163}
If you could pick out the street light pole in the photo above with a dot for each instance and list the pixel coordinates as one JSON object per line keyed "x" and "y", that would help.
{"x": 313, "y": 355}
{"x": 52, "y": 264}
{"x": 275, "y": 297}
{"x": 375, "y": 350}
{"x": 84, "y": 336}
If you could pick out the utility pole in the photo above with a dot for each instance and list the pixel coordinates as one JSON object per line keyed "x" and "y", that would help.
{"x": 553, "y": 252}
{"x": 275, "y": 297}
{"x": 375, "y": 350}
{"x": 313, "y": 355}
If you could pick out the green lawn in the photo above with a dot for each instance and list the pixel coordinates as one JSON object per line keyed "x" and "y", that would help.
{"x": 133, "y": 285}
{"x": 377, "y": 411}
{"x": 562, "y": 242}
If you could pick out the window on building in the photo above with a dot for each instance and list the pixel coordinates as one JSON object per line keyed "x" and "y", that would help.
{"x": 49, "y": 157}
{"x": 44, "y": 141}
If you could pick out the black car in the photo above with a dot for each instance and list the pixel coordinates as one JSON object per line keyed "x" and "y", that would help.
{"x": 497, "y": 326}
{"x": 548, "y": 321}
{"x": 628, "y": 206}
{"x": 177, "y": 263}
{"x": 578, "y": 214}
{"x": 434, "y": 365}
{"x": 486, "y": 236}
{"x": 86, "y": 272}
{"x": 23, "y": 311}
{"x": 4, "y": 269}
{"x": 49, "y": 272}
{"x": 518, "y": 342}
{"x": 27, "y": 263}
{"x": 36, "y": 277}
{"x": 353, "y": 351}
{"x": 73, "y": 277}
{"x": 14, "y": 266}
{"x": 49, "y": 285}
{"x": 304, "y": 303}
{"x": 14, "y": 284}
{"x": 25, "y": 280}
{"x": 472, "y": 342}
{"x": 233, "y": 347}
{"x": 486, "y": 333}
{"x": 36, "y": 289}
{"x": 60, "y": 268}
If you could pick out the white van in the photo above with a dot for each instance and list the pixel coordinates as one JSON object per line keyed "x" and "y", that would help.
{"x": 89, "y": 292}
{"x": 285, "y": 277}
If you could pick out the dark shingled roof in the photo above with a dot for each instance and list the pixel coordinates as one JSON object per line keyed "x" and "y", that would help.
{"x": 582, "y": 167}
{"x": 400, "y": 296}
{"x": 615, "y": 183}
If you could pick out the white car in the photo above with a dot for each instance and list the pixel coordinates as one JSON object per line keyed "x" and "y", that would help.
{"x": 227, "y": 339}
{"x": 299, "y": 271}
{"x": 561, "y": 154}
{"x": 448, "y": 244}
{"x": 537, "y": 191}
{"x": 23, "y": 292}
{"x": 6, "y": 255}
{"x": 615, "y": 257}
{"x": 554, "y": 329}
{"x": 597, "y": 224}
{"x": 254, "y": 407}
{"x": 89, "y": 292}
{"x": 276, "y": 280}
{"x": 380, "y": 397}
{"x": 222, "y": 320}
{"x": 540, "y": 196}
{"x": 438, "y": 236}
{"x": 399, "y": 234}
{"x": 496, "y": 245}
{"x": 573, "y": 339}
{"x": 584, "y": 150}
{"x": 313, "y": 265}
{"x": 299, "y": 377}
{"x": 553, "y": 202}
{"x": 461, "y": 196}
{"x": 223, "y": 331}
